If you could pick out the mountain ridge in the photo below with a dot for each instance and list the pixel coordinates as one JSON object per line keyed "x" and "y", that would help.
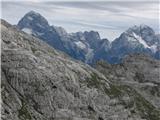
{"x": 88, "y": 46}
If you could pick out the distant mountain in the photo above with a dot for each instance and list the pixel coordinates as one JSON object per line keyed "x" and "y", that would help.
{"x": 80, "y": 45}
{"x": 88, "y": 46}
{"x": 137, "y": 39}
{"x": 35, "y": 24}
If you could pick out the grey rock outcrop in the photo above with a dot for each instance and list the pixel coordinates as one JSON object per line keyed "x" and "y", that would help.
{"x": 141, "y": 74}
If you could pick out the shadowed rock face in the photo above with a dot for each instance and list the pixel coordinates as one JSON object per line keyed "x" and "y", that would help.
{"x": 80, "y": 45}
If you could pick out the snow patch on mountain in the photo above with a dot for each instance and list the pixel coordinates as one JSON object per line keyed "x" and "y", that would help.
{"x": 27, "y": 30}
{"x": 153, "y": 48}
{"x": 140, "y": 40}
{"x": 30, "y": 18}
{"x": 80, "y": 44}
{"x": 39, "y": 34}
{"x": 89, "y": 55}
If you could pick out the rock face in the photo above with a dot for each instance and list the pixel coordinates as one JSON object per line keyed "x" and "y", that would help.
{"x": 35, "y": 24}
{"x": 88, "y": 46}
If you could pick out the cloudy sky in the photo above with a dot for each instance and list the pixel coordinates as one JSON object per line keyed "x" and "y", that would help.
{"x": 109, "y": 17}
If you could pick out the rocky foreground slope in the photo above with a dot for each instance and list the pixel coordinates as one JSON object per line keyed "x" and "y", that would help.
{"x": 138, "y": 71}
{"x": 41, "y": 83}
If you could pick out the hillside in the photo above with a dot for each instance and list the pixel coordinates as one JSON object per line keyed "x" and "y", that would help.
{"x": 41, "y": 83}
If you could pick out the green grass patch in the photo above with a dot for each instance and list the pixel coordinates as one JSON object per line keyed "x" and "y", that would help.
{"x": 94, "y": 81}
{"x": 33, "y": 49}
{"x": 146, "y": 109}
{"x": 136, "y": 103}
{"x": 23, "y": 113}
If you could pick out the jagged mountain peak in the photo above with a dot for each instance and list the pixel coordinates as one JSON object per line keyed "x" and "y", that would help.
{"x": 140, "y": 30}
{"x": 142, "y": 34}
{"x": 33, "y": 13}
{"x": 60, "y": 30}
{"x": 136, "y": 39}
{"x": 33, "y": 21}
{"x": 93, "y": 34}
{"x": 143, "y": 31}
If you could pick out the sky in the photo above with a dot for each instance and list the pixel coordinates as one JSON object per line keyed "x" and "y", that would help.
{"x": 109, "y": 17}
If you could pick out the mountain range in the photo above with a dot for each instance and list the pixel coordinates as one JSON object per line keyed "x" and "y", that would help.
{"x": 39, "y": 82}
{"x": 88, "y": 46}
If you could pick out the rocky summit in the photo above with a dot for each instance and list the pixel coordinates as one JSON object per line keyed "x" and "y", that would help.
{"x": 137, "y": 39}
{"x": 42, "y": 83}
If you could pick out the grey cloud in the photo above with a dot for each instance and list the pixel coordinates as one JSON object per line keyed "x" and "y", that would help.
{"x": 103, "y": 16}
{"x": 113, "y": 6}
{"x": 91, "y": 25}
